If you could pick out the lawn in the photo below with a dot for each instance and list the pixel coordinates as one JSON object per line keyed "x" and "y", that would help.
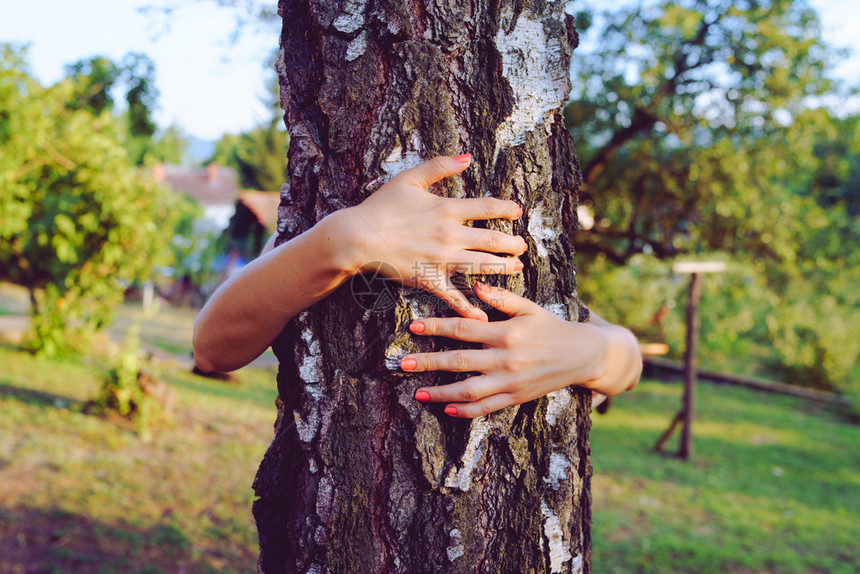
{"x": 80, "y": 493}
{"x": 774, "y": 485}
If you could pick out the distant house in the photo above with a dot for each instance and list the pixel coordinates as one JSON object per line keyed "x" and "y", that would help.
{"x": 243, "y": 219}
{"x": 214, "y": 187}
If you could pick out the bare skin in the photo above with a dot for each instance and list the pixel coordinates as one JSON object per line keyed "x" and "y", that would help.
{"x": 247, "y": 312}
{"x": 525, "y": 357}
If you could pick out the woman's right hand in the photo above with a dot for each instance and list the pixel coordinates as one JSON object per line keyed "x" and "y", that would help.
{"x": 422, "y": 236}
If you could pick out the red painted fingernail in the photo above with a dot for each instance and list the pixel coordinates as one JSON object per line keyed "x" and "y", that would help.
{"x": 449, "y": 410}
{"x": 422, "y": 396}
{"x": 417, "y": 327}
{"x": 518, "y": 266}
{"x": 465, "y": 158}
{"x": 483, "y": 288}
{"x": 408, "y": 364}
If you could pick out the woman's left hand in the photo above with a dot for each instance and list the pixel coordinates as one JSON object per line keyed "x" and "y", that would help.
{"x": 527, "y": 356}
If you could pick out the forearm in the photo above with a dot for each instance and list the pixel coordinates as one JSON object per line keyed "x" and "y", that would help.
{"x": 247, "y": 312}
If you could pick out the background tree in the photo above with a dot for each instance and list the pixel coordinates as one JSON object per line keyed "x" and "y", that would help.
{"x": 683, "y": 112}
{"x": 79, "y": 222}
{"x": 95, "y": 82}
{"x": 701, "y": 132}
{"x": 360, "y": 477}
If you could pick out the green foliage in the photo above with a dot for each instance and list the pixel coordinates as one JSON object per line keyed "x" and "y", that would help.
{"x": 141, "y": 94}
{"x": 696, "y": 135}
{"x": 122, "y": 391}
{"x": 79, "y": 222}
{"x": 166, "y": 146}
{"x": 686, "y": 117}
{"x": 194, "y": 246}
{"x": 258, "y": 156}
{"x": 93, "y": 82}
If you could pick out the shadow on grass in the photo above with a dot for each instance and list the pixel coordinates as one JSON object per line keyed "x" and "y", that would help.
{"x": 46, "y": 540}
{"x": 38, "y": 398}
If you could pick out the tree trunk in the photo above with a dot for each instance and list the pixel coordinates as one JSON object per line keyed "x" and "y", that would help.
{"x": 361, "y": 477}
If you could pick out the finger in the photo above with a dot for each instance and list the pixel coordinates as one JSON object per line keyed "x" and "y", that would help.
{"x": 478, "y": 263}
{"x": 480, "y": 208}
{"x": 466, "y": 391}
{"x": 459, "y": 361}
{"x": 435, "y": 170}
{"x": 493, "y": 241}
{"x": 455, "y": 299}
{"x": 480, "y": 408}
{"x": 455, "y": 328}
{"x": 505, "y": 301}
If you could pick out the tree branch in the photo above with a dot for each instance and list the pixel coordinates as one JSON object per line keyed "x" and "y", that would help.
{"x": 643, "y": 118}
{"x": 583, "y": 240}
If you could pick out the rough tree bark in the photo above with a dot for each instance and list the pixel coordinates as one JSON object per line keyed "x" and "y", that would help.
{"x": 360, "y": 477}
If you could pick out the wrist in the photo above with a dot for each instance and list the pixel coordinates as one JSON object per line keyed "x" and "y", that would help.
{"x": 345, "y": 240}
{"x": 598, "y": 354}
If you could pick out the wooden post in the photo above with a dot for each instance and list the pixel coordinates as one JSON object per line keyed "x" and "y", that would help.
{"x": 694, "y": 296}
{"x": 694, "y": 293}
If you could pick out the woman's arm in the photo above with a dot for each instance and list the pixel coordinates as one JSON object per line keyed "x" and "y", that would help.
{"x": 402, "y": 224}
{"x": 527, "y": 356}
{"x": 248, "y": 311}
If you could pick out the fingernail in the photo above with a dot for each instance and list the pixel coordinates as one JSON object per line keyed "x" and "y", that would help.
{"x": 422, "y": 396}
{"x": 520, "y": 209}
{"x": 465, "y": 158}
{"x": 408, "y": 364}
{"x": 483, "y": 318}
{"x": 518, "y": 265}
{"x": 449, "y": 410}
{"x": 417, "y": 327}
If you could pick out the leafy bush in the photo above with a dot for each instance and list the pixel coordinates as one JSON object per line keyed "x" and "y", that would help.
{"x": 79, "y": 222}
{"x": 130, "y": 392}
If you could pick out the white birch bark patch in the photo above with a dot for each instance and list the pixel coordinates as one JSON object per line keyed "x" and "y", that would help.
{"x": 352, "y": 18}
{"x": 530, "y": 63}
{"x": 541, "y": 229}
{"x": 462, "y": 479}
{"x": 558, "y": 464}
{"x": 558, "y": 552}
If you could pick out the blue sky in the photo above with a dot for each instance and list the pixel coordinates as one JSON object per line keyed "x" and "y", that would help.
{"x": 207, "y": 85}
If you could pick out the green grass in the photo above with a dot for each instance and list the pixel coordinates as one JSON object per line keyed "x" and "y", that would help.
{"x": 773, "y": 486}
{"x": 168, "y": 329}
{"x": 80, "y": 493}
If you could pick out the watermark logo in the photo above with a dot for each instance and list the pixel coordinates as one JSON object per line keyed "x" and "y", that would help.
{"x": 376, "y": 288}
{"x": 380, "y": 286}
